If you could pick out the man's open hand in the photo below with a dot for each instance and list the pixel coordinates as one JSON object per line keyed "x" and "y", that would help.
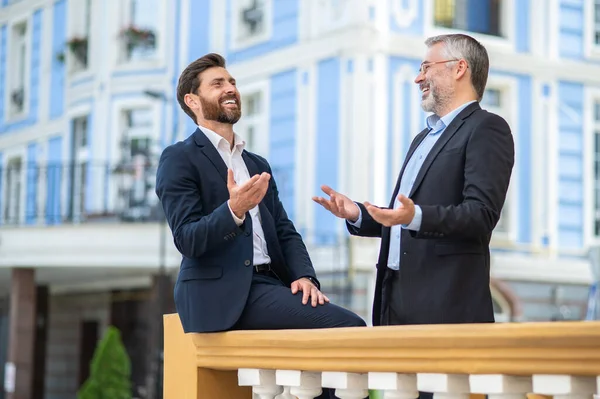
{"x": 404, "y": 214}
{"x": 248, "y": 195}
{"x": 309, "y": 290}
{"x": 338, "y": 204}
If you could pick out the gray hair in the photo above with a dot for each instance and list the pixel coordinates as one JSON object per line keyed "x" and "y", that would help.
{"x": 459, "y": 46}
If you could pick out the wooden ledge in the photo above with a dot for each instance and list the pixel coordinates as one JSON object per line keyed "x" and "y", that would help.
{"x": 571, "y": 348}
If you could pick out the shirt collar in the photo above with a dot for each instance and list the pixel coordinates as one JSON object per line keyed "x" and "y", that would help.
{"x": 436, "y": 124}
{"x": 217, "y": 140}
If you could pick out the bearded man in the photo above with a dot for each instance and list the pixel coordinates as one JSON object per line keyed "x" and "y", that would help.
{"x": 244, "y": 266}
{"x": 434, "y": 259}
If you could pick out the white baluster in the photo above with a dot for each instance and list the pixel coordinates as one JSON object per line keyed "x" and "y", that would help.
{"x": 444, "y": 386}
{"x": 286, "y": 394}
{"x": 302, "y": 384}
{"x": 498, "y": 386}
{"x": 347, "y": 385}
{"x": 564, "y": 386}
{"x": 396, "y": 386}
{"x": 262, "y": 382}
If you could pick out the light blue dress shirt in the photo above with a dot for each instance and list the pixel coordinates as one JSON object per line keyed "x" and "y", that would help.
{"x": 436, "y": 126}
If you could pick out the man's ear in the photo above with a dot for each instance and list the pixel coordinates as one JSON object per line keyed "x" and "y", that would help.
{"x": 461, "y": 69}
{"x": 191, "y": 101}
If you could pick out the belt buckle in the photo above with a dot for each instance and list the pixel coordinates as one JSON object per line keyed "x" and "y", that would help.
{"x": 263, "y": 268}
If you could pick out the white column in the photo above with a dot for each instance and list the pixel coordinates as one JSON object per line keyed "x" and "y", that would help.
{"x": 564, "y": 386}
{"x": 498, "y": 386}
{"x": 302, "y": 384}
{"x": 444, "y": 386}
{"x": 262, "y": 382}
{"x": 395, "y": 386}
{"x": 347, "y": 385}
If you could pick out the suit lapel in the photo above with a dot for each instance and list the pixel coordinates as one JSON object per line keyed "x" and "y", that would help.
{"x": 420, "y": 137}
{"x": 447, "y": 134}
{"x": 209, "y": 150}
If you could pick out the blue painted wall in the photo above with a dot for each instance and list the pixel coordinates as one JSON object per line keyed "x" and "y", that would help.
{"x": 571, "y": 35}
{"x": 523, "y": 157}
{"x": 32, "y": 174}
{"x": 57, "y": 74}
{"x": 54, "y": 179}
{"x": 36, "y": 50}
{"x": 522, "y": 15}
{"x": 284, "y": 31}
{"x": 198, "y": 44}
{"x": 406, "y": 120}
{"x": 570, "y": 165}
{"x": 3, "y": 67}
{"x": 416, "y": 25}
{"x": 282, "y": 140}
{"x": 327, "y": 143}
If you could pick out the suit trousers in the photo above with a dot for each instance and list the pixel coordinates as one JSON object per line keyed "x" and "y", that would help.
{"x": 272, "y": 306}
{"x": 392, "y": 313}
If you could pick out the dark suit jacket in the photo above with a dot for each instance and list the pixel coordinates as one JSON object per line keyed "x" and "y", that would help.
{"x": 216, "y": 270}
{"x": 461, "y": 189}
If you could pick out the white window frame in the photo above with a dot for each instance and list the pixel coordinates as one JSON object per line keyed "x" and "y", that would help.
{"x": 9, "y": 115}
{"x": 328, "y": 16}
{"x": 592, "y": 96}
{"x": 238, "y": 40}
{"x": 8, "y": 155}
{"x": 78, "y": 10}
{"x": 510, "y": 112}
{"x": 121, "y": 61}
{"x": 592, "y": 50}
{"x": 118, "y": 124}
{"x": 260, "y": 122}
{"x": 507, "y": 21}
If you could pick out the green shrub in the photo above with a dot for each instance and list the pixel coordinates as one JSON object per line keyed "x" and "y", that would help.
{"x": 110, "y": 371}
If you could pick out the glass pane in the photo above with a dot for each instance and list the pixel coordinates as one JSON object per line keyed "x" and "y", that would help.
{"x": 597, "y": 111}
{"x": 492, "y": 98}
{"x": 252, "y": 17}
{"x": 253, "y": 104}
{"x": 481, "y": 16}
{"x": 139, "y": 117}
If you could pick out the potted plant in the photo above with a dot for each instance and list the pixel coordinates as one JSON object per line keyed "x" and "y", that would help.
{"x": 78, "y": 46}
{"x": 135, "y": 37}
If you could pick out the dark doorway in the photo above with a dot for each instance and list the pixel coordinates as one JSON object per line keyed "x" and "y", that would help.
{"x": 89, "y": 340}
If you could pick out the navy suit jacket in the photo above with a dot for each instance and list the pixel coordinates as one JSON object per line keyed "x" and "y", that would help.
{"x": 461, "y": 189}
{"x": 216, "y": 269}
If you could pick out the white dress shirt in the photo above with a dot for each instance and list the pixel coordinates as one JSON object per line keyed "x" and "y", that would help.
{"x": 234, "y": 161}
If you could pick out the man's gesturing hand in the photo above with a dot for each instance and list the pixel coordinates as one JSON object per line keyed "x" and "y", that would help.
{"x": 248, "y": 195}
{"x": 308, "y": 289}
{"x": 338, "y": 204}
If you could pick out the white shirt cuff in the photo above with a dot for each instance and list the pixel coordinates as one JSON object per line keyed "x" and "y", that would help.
{"x": 415, "y": 224}
{"x": 358, "y": 221}
{"x": 236, "y": 219}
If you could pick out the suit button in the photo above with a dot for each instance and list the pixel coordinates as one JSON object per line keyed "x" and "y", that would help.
{"x": 247, "y": 262}
{"x": 247, "y": 233}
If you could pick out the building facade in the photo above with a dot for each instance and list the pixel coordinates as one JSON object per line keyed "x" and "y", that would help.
{"x": 87, "y": 103}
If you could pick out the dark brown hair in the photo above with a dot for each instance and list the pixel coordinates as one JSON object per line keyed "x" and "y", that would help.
{"x": 189, "y": 80}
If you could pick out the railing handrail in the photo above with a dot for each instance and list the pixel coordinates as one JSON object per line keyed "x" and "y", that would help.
{"x": 502, "y": 348}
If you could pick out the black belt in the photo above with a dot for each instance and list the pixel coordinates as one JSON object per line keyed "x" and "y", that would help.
{"x": 263, "y": 269}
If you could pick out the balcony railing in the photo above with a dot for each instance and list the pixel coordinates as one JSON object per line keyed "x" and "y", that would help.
{"x": 507, "y": 360}
{"x": 57, "y": 193}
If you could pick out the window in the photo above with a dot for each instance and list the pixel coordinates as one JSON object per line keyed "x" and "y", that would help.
{"x": 138, "y": 36}
{"x": 494, "y": 101}
{"x": 480, "y": 16}
{"x": 80, "y": 167}
{"x": 138, "y": 152}
{"x": 251, "y": 22}
{"x": 79, "y": 43}
{"x": 18, "y": 72}
{"x": 12, "y": 201}
{"x": 252, "y": 126}
{"x": 597, "y": 169}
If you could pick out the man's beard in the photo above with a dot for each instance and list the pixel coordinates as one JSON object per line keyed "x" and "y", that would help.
{"x": 216, "y": 112}
{"x": 437, "y": 99}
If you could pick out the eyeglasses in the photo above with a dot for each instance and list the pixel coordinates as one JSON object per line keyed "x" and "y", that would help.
{"x": 425, "y": 65}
